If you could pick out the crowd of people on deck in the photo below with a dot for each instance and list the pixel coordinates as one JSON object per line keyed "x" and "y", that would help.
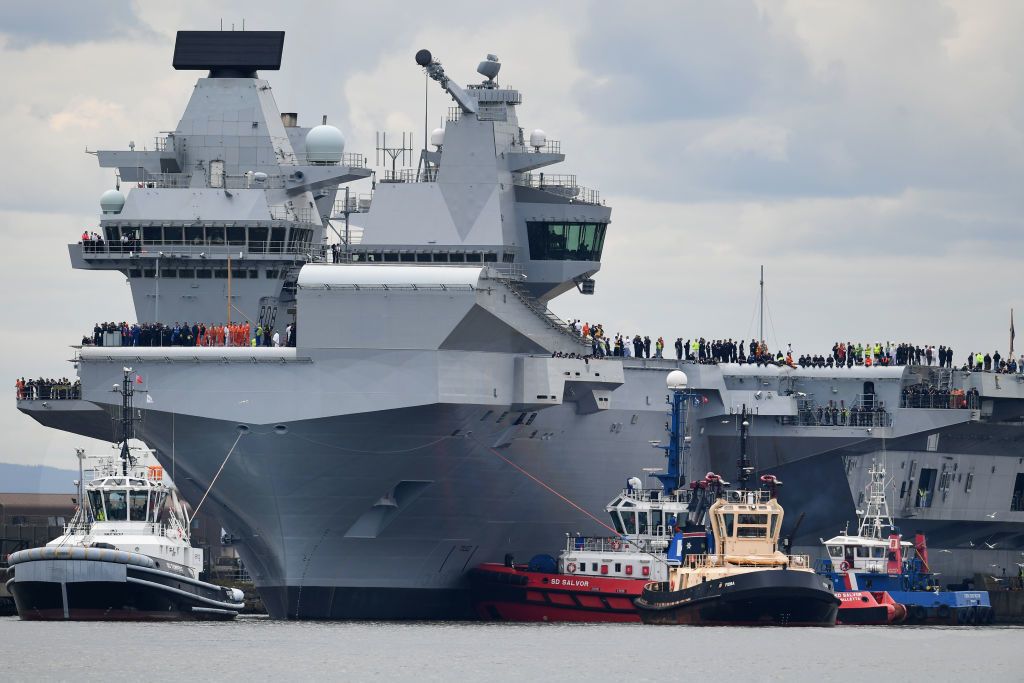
{"x": 843, "y": 354}
{"x": 47, "y": 389}
{"x": 93, "y": 243}
{"x": 185, "y": 334}
{"x": 838, "y": 415}
{"x": 929, "y": 396}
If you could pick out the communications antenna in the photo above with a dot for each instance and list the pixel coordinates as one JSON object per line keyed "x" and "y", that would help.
{"x": 394, "y": 153}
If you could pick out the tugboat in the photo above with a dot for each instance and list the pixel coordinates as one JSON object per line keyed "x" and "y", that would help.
{"x": 740, "y": 578}
{"x": 126, "y": 554}
{"x": 596, "y": 578}
{"x": 882, "y": 579}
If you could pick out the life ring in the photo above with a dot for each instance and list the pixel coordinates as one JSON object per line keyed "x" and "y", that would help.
{"x": 844, "y": 566}
{"x": 616, "y": 544}
{"x": 571, "y": 567}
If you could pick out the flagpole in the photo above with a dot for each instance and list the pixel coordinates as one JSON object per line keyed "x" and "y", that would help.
{"x": 1012, "y": 333}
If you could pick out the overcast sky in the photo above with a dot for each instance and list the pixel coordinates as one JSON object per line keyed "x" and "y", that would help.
{"x": 868, "y": 154}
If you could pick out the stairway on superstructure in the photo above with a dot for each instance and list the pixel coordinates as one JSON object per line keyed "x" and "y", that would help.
{"x": 542, "y": 311}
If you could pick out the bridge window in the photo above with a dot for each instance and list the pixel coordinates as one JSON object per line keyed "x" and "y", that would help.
{"x": 258, "y": 239}
{"x": 276, "y": 240}
{"x": 215, "y": 235}
{"x": 565, "y": 241}
{"x": 173, "y": 234}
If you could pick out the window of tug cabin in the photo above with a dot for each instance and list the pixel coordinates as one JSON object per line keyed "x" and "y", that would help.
{"x": 728, "y": 523}
{"x": 138, "y": 505}
{"x": 752, "y": 526}
{"x": 117, "y": 505}
{"x": 835, "y": 551}
{"x": 96, "y": 503}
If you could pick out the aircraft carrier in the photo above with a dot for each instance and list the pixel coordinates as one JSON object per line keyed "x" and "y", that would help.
{"x": 362, "y": 470}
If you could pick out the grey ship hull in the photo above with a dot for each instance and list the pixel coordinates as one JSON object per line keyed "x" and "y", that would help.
{"x": 380, "y": 514}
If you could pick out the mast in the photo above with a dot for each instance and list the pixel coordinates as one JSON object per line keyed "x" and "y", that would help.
{"x": 745, "y": 468}
{"x": 673, "y": 477}
{"x": 760, "y": 339}
{"x": 83, "y": 518}
{"x": 127, "y": 418}
{"x": 876, "y": 516}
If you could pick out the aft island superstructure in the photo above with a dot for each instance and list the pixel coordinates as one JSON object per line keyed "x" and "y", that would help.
{"x": 369, "y": 465}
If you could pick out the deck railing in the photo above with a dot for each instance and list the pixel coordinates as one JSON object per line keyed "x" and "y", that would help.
{"x": 152, "y": 248}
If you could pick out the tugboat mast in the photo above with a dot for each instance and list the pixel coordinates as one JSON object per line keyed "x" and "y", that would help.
{"x": 127, "y": 419}
{"x": 744, "y": 463}
{"x": 673, "y": 477}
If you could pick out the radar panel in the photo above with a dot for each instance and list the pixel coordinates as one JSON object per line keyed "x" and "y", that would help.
{"x": 242, "y": 51}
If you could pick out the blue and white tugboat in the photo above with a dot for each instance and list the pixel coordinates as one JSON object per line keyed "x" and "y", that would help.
{"x": 877, "y": 565}
{"x": 740, "y": 577}
{"x": 126, "y": 555}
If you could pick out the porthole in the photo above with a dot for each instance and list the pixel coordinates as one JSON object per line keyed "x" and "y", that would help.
{"x": 280, "y": 429}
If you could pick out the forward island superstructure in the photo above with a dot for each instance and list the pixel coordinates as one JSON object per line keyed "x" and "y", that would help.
{"x": 368, "y": 465}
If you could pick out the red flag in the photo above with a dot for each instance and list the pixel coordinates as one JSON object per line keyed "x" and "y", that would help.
{"x": 138, "y": 379}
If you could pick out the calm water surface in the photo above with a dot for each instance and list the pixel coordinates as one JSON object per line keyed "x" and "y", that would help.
{"x": 256, "y": 649}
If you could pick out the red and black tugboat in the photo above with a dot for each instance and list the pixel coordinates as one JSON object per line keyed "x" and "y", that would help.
{"x": 595, "y": 579}
{"x": 741, "y": 578}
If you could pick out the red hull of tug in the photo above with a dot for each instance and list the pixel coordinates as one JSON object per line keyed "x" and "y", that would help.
{"x": 868, "y": 608}
{"x": 503, "y": 593}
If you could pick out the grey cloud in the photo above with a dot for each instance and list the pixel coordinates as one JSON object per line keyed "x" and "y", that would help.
{"x": 24, "y": 24}
{"x": 687, "y": 60}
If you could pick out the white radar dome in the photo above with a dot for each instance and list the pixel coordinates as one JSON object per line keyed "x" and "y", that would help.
{"x": 324, "y": 145}
{"x": 676, "y": 380}
{"x": 437, "y": 137}
{"x": 538, "y": 138}
{"x": 111, "y": 201}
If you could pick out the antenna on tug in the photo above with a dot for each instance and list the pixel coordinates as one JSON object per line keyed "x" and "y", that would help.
{"x": 127, "y": 391}
{"x": 745, "y": 468}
